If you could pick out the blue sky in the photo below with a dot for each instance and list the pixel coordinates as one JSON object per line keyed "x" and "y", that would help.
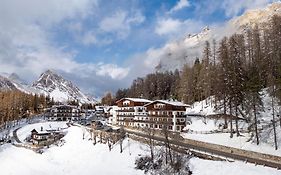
{"x": 140, "y": 37}
{"x": 101, "y": 45}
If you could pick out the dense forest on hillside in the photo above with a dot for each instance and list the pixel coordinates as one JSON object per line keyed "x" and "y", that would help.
{"x": 16, "y": 105}
{"x": 238, "y": 66}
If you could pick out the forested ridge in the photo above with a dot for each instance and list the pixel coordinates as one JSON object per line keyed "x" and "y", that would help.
{"x": 233, "y": 71}
{"x": 15, "y": 105}
{"x": 235, "y": 66}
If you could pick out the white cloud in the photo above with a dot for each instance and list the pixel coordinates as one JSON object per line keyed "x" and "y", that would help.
{"x": 180, "y": 5}
{"x": 234, "y": 7}
{"x": 112, "y": 70}
{"x": 43, "y": 12}
{"x": 120, "y": 23}
{"x": 89, "y": 38}
{"x": 25, "y": 40}
{"x": 231, "y": 8}
{"x": 177, "y": 27}
{"x": 167, "y": 26}
{"x": 74, "y": 27}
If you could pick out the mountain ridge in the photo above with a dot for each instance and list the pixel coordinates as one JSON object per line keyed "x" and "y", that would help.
{"x": 49, "y": 83}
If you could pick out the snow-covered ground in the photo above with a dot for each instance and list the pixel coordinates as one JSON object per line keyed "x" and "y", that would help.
{"x": 203, "y": 107}
{"x": 200, "y": 128}
{"x": 78, "y": 156}
{"x": 241, "y": 142}
{"x": 204, "y": 125}
{"x": 207, "y": 167}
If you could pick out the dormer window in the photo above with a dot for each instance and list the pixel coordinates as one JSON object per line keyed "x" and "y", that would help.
{"x": 159, "y": 106}
{"x": 126, "y": 103}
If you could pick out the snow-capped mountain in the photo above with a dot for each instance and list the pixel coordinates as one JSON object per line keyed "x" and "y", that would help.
{"x": 14, "y": 82}
{"x": 6, "y": 84}
{"x": 49, "y": 83}
{"x": 184, "y": 51}
{"x": 54, "y": 85}
{"x": 15, "y": 78}
{"x": 257, "y": 16}
{"x": 175, "y": 54}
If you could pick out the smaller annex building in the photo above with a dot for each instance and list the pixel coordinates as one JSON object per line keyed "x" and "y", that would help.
{"x": 44, "y": 138}
{"x": 41, "y": 138}
{"x": 63, "y": 113}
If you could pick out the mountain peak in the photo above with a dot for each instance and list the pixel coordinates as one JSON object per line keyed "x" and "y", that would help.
{"x": 17, "y": 79}
{"x": 6, "y": 84}
{"x": 49, "y": 71}
{"x": 53, "y": 84}
{"x": 14, "y": 76}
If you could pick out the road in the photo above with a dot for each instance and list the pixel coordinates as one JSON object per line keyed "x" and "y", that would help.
{"x": 15, "y": 135}
{"x": 219, "y": 150}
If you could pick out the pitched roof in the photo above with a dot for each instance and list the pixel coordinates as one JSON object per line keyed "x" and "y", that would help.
{"x": 34, "y": 130}
{"x": 140, "y": 100}
{"x": 173, "y": 103}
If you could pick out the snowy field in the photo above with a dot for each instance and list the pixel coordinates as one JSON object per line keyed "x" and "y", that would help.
{"x": 78, "y": 156}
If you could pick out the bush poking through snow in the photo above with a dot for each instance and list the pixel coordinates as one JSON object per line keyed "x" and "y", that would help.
{"x": 179, "y": 165}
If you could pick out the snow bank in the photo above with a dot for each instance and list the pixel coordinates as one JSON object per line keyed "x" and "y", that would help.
{"x": 204, "y": 107}
{"x": 199, "y": 125}
{"x": 241, "y": 142}
{"x": 207, "y": 167}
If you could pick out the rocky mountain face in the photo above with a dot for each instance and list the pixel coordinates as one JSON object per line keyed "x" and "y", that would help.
{"x": 49, "y": 83}
{"x": 54, "y": 85}
{"x": 6, "y": 84}
{"x": 184, "y": 51}
{"x": 258, "y": 16}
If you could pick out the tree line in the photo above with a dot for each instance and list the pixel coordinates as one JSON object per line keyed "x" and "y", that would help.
{"x": 15, "y": 105}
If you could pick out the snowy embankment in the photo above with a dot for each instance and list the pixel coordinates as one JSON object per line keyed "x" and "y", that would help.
{"x": 210, "y": 129}
{"x": 80, "y": 156}
{"x": 207, "y": 167}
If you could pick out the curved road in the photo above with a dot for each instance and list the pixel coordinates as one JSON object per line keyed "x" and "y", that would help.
{"x": 15, "y": 135}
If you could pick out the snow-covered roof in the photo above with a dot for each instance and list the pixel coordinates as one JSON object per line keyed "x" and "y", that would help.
{"x": 100, "y": 108}
{"x": 140, "y": 100}
{"x": 173, "y": 103}
{"x": 40, "y": 132}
